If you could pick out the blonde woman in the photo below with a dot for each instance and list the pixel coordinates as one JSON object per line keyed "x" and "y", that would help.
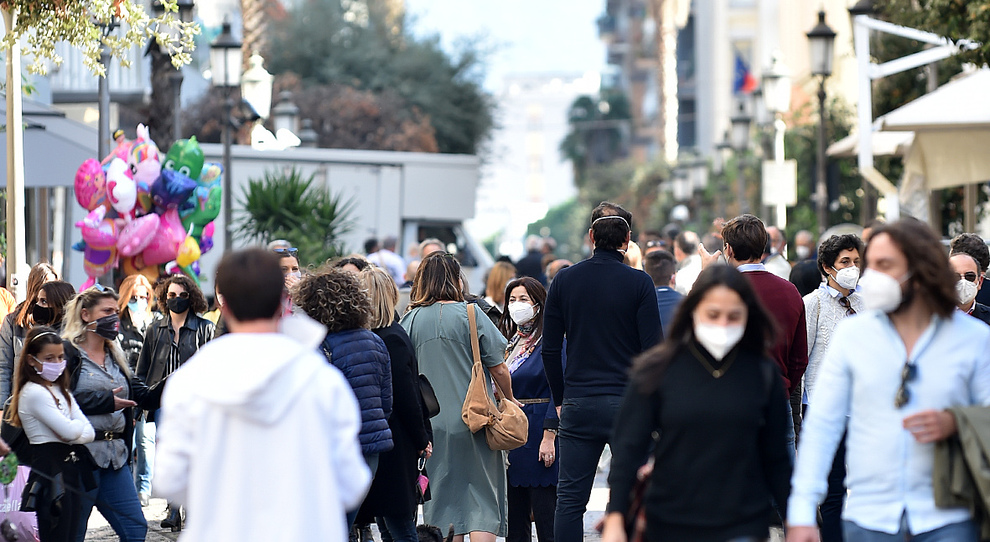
{"x": 499, "y": 275}
{"x": 105, "y": 388}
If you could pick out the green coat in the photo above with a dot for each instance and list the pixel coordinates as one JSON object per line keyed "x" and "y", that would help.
{"x": 467, "y": 478}
{"x": 960, "y": 477}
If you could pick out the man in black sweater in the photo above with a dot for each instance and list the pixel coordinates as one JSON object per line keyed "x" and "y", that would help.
{"x": 608, "y": 312}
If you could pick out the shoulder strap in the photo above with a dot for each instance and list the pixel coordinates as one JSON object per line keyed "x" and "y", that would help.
{"x": 475, "y": 347}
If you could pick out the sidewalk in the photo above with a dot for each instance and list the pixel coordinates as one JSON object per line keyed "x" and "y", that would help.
{"x": 100, "y": 531}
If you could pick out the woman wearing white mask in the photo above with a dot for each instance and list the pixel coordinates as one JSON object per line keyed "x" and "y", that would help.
{"x": 718, "y": 404}
{"x": 839, "y": 260}
{"x": 56, "y": 428}
{"x": 532, "y": 470}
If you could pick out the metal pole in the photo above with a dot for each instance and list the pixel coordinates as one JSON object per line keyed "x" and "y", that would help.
{"x": 779, "y": 127}
{"x": 821, "y": 188}
{"x": 176, "y": 78}
{"x": 17, "y": 270}
{"x": 228, "y": 228}
{"x": 741, "y": 183}
{"x": 104, "y": 105}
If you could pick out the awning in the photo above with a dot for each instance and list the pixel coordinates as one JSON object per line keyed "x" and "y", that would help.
{"x": 960, "y": 104}
{"x": 884, "y": 144}
{"x": 54, "y": 146}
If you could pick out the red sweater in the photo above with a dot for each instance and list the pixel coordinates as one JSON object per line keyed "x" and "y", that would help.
{"x": 781, "y": 299}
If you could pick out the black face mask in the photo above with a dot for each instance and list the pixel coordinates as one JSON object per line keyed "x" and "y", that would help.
{"x": 42, "y": 315}
{"x": 107, "y": 327}
{"x": 178, "y": 305}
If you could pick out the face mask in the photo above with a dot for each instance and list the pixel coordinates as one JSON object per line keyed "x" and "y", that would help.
{"x": 297, "y": 274}
{"x": 107, "y": 327}
{"x": 521, "y": 312}
{"x": 802, "y": 252}
{"x": 178, "y": 305}
{"x": 847, "y": 278}
{"x": 42, "y": 315}
{"x": 966, "y": 291}
{"x": 139, "y": 306}
{"x": 881, "y": 291}
{"x": 50, "y": 371}
{"x": 718, "y": 340}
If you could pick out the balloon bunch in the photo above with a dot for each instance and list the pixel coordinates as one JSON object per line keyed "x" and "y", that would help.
{"x": 164, "y": 209}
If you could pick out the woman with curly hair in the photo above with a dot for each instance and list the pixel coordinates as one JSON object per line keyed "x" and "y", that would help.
{"x": 336, "y": 299}
{"x": 169, "y": 342}
{"x": 468, "y": 483}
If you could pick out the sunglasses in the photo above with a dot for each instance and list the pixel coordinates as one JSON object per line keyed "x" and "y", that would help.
{"x": 970, "y": 276}
{"x": 173, "y": 295}
{"x": 908, "y": 373}
{"x": 844, "y": 302}
{"x": 286, "y": 251}
{"x": 102, "y": 289}
{"x": 134, "y": 299}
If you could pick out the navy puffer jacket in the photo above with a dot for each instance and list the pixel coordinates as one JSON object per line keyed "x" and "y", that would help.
{"x": 362, "y": 357}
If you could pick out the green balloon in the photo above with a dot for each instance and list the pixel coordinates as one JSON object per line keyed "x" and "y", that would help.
{"x": 185, "y": 156}
{"x": 206, "y": 208}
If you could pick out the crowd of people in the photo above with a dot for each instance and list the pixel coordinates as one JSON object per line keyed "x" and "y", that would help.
{"x": 842, "y": 394}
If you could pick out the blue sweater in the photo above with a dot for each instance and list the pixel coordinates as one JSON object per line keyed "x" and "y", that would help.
{"x": 362, "y": 357}
{"x": 608, "y": 311}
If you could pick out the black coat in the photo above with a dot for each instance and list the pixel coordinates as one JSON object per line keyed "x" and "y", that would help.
{"x": 981, "y": 312}
{"x": 101, "y": 402}
{"x": 193, "y": 334}
{"x": 393, "y": 491}
{"x": 131, "y": 339}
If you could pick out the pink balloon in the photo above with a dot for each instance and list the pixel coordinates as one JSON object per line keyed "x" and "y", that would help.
{"x": 137, "y": 235}
{"x": 165, "y": 245}
{"x": 208, "y": 230}
{"x": 121, "y": 189}
{"x": 97, "y": 231}
{"x": 90, "y": 185}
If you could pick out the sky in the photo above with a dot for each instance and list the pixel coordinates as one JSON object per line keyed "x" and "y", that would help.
{"x": 526, "y": 36}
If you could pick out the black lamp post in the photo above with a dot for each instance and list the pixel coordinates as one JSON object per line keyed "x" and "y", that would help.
{"x": 821, "y": 39}
{"x": 741, "y": 123}
{"x": 175, "y": 77}
{"x": 225, "y": 64}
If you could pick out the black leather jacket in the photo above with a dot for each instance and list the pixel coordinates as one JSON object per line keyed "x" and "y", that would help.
{"x": 154, "y": 354}
{"x": 131, "y": 339}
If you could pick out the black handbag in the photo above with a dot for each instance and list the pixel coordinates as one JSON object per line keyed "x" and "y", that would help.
{"x": 430, "y": 401}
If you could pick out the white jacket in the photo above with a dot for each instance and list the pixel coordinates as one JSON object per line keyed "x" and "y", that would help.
{"x": 258, "y": 439}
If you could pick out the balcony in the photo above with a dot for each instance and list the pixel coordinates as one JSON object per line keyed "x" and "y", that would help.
{"x": 72, "y": 82}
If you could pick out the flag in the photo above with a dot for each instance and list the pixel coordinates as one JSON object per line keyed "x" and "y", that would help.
{"x": 744, "y": 82}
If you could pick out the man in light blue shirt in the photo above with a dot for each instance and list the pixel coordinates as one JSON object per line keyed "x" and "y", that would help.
{"x": 888, "y": 377}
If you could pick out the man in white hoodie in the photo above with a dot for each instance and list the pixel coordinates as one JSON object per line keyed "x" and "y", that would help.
{"x": 258, "y": 434}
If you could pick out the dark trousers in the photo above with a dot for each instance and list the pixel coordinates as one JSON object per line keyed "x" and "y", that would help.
{"x": 585, "y": 429}
{"x": 831, "y": 507}
{"x": 542, "y": 502}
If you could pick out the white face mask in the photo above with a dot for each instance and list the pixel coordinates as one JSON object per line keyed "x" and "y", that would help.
{"x": 718, "y": 340}
{"x": 802, "y": 252}
{"x": 881, "y": 291}
{"x": 297, "y": 274}
{"x": 966, "y": 291}
{"x": 847, "y": 278}
{"x": 521, "y": 312}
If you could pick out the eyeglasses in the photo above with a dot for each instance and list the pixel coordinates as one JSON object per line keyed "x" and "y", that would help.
{"x": 844, "y": 302}
{"x": 908, "y": 373}
{"x": 651, "y": 244}
{"x": 173, "y": 295}
{"x": 970, "y": 276}
{"x": 286, "y": 251}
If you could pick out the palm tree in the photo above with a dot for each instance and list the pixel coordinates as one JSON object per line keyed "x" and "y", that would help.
{"x": 288, "y": 206}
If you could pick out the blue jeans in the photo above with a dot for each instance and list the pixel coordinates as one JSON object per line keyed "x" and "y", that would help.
{"x": 954, "y": 532}
{"x": 372, "y": 461}
{"x": 115, "y": 498}
{"x": 400, "y": 529}
{"x": 144, "y": 462}
{"x": 585, "y": 428}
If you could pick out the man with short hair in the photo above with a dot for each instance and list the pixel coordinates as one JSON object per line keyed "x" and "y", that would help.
{"x": 689, "y": 263}
{"x": 531, "y": 265}
{"x": 386, "y": 258}
{"x": 805, "y": 274}
{"x": 660, "y": 266}
{"x": 745, "y": 238}
{"x": 972, "y": 244}
{"x": 429, "y": 246}
{"x": 969, "y": 283}
{"x": 773, "y": 255}
{"x": 259, "y": 434}
{"x": 608, "y": 311}
{"x": 892, "y": 379}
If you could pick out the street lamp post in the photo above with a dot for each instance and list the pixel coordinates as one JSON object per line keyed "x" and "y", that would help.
{"x": 722, "y": 151}
{"x": 777, "y": 98}
{"x": 821, "y": 39}
{"x": 741, "y": 123}
{"x": 225, "y": 64}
